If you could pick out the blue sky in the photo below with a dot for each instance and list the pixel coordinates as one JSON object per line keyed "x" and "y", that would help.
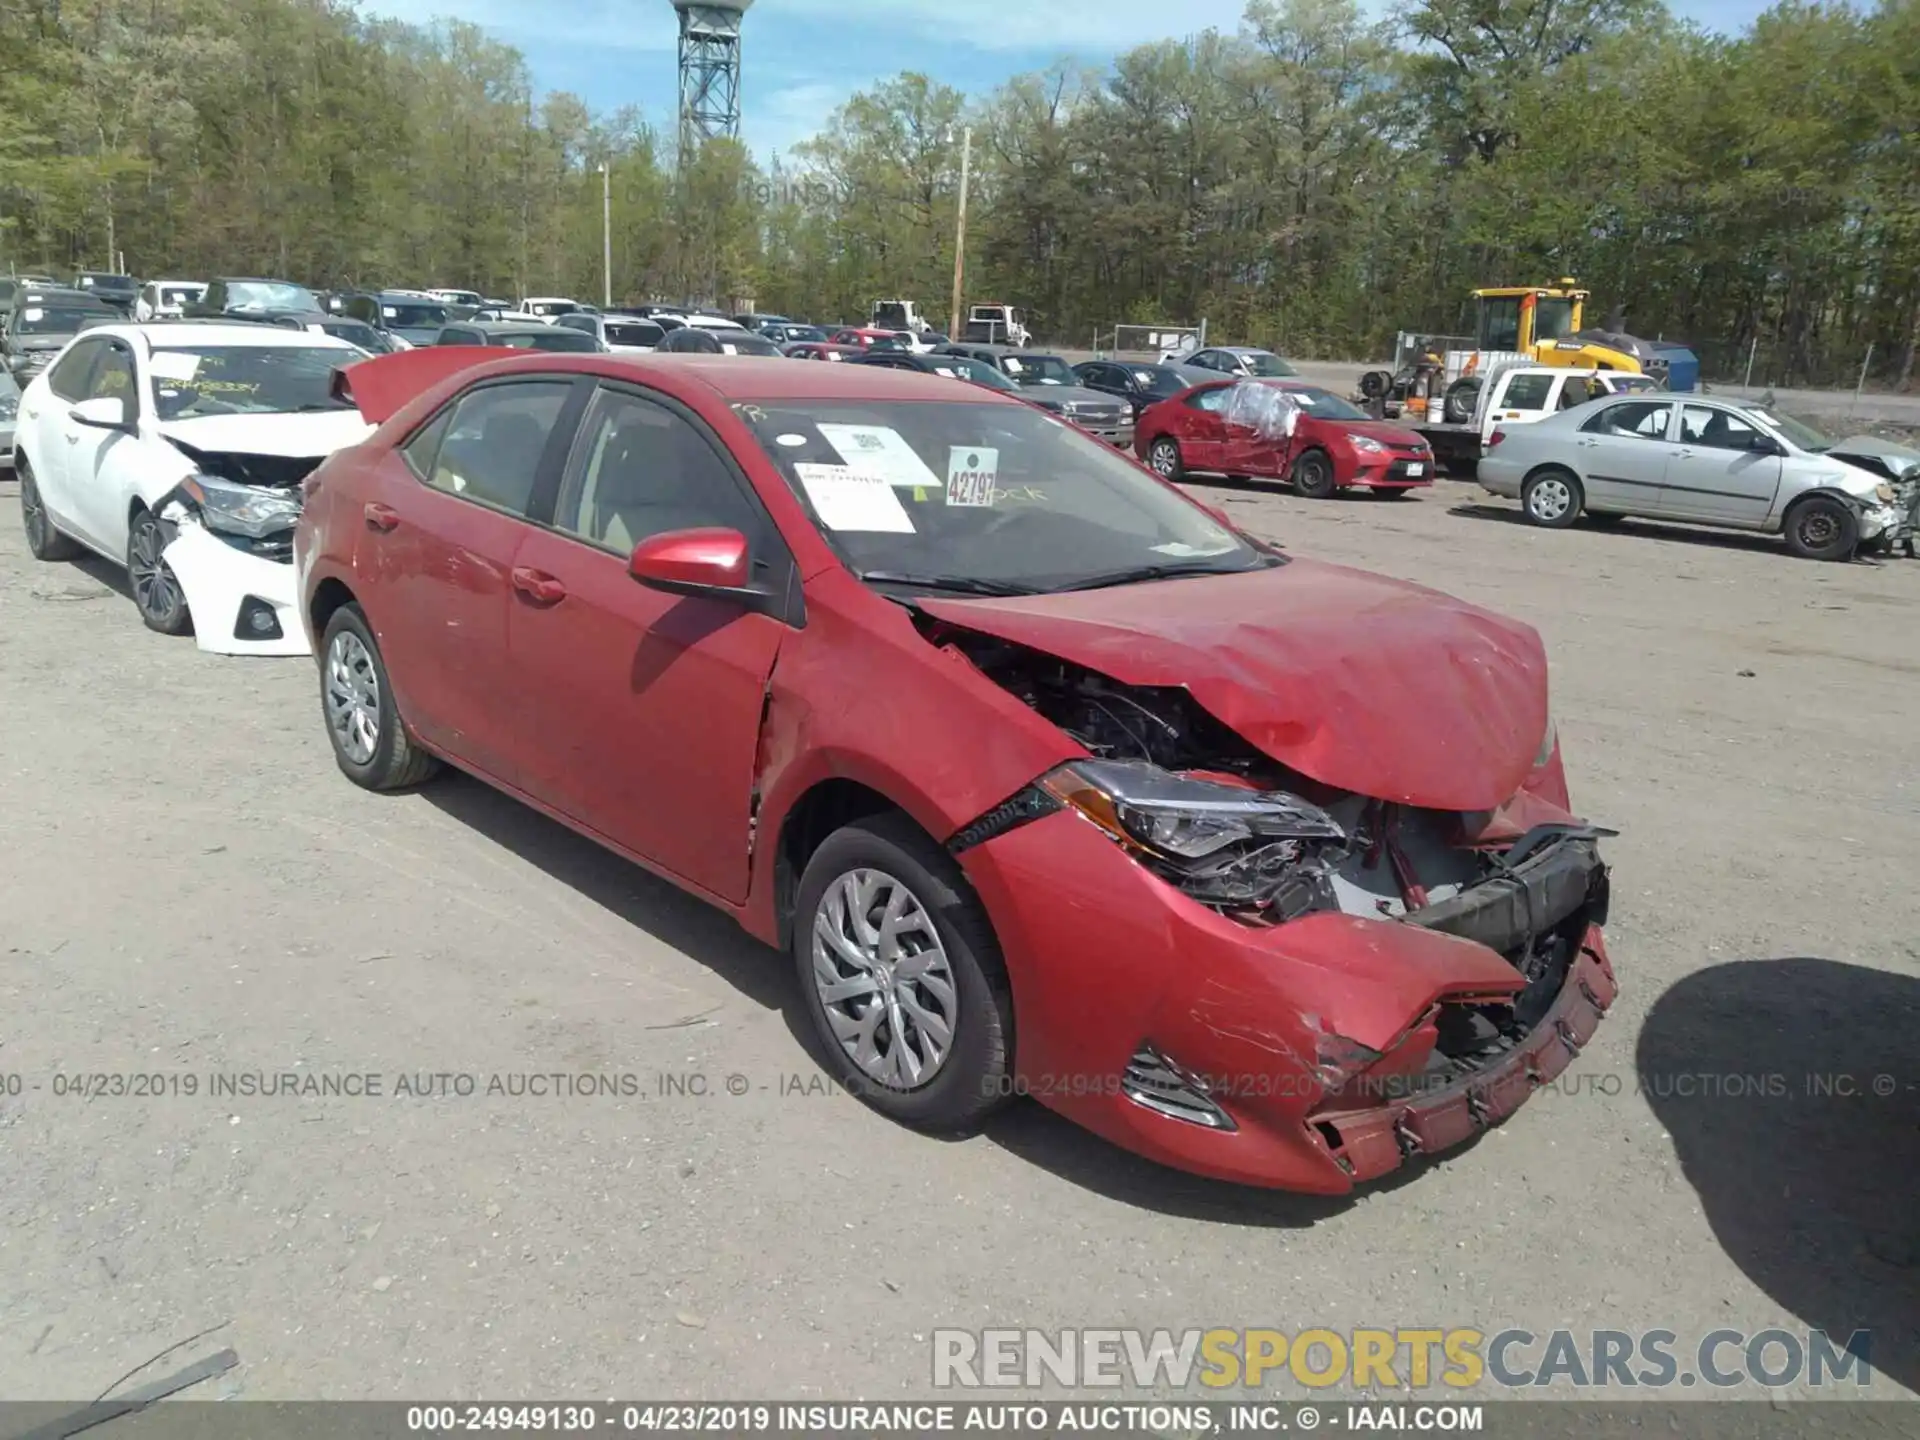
{"x": 803, "y": 58}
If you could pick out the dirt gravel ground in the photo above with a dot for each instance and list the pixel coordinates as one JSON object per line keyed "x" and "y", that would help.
{"x": 191, "y": 891}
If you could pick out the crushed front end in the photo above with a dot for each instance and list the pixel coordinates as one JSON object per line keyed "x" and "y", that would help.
{"x": 232, "y": 550}
{"x": 1234, "y": 969}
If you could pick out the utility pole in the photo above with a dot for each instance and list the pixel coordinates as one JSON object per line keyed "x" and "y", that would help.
{"x": 960, "y": 229}
{"x": 606, "y": 235}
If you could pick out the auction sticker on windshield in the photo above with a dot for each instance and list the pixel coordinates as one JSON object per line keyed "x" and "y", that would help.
{"x": 175, "y": 364}
{"x": 846, "y": 499}
{"x": 881, "y": 450}
{"x": 970, "y": 475}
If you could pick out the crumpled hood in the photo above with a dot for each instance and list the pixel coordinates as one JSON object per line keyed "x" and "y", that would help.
{"x": 1360, "y": 682}
{"x": 314, "y": 433}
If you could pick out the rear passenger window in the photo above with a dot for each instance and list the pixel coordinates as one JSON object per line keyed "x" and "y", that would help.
{"x": 1528, "y": 392}
{"x": 494, "y": 440}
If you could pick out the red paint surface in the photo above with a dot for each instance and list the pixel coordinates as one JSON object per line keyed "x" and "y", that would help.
{"x": 1208, "y": 443}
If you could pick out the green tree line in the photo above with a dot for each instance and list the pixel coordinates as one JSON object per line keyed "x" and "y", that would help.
{"x": 1313, "y": 182}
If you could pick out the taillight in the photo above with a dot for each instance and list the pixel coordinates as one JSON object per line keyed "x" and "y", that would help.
{"x": 1495, "y": 438}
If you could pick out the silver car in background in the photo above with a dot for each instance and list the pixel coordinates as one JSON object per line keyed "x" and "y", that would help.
{"x": 1695, "y": 460}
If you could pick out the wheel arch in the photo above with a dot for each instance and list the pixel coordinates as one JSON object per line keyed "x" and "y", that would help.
{"x": 329, "y": 596}
{"x": 824, "y": 807}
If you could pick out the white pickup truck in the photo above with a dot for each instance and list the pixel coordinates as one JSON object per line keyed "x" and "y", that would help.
{"x": 1519, "y": 395}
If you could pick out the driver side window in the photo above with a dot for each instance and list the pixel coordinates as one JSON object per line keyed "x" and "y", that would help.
{"x": 113, "y": 379}
{"x": 72, "y": 372}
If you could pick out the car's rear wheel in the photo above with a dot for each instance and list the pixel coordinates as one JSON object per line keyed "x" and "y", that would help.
{"x": 1822, "y": 528}
{"x": 903, "y": 977}
{"x": 156, "y": 589}
{"x": 1313, "y": 475}
{"x": 1164, "y": 456}
{"x": 44, "y": 541}
{"x": 1552, "y": 498}
{"x": 370, "y": 741}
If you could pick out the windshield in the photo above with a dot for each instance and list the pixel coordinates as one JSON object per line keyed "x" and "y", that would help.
{"x": 634, "y": 332}
{"x": 1324, "y": 404}
{"x": 1552, "y": 318}
{"x": 570, "y": 341}
{"x": 742, "y": 342}
{"x": 1160, "y": 382}
{"x": 984, "y": 493}
{"x": 1040, "y": 370}
{"x": 59, "y": 319}
{"x": 413, "y": 317}
{"x": 120, "y": 284}
{"x": 194, "y": 380}
{"x": 180, "y": 294}
{"x": 551, "y": 307}
{"x": 270, "y": 295}
{"x": 354, "y": 333}
{"x": 1805, "y": 436}
{"x": 805, "y": 332}
{"x": 1266, "y": 365}
{"x": 959, "y": 367}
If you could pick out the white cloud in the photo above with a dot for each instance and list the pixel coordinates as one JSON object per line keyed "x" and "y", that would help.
{"x": 1099, "y": 27}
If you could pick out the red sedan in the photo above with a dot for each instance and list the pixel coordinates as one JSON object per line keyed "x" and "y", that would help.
{"x": 1334, "y": 445}
{"x": 821, "y": 350}
{"x": 1047, "y": 780}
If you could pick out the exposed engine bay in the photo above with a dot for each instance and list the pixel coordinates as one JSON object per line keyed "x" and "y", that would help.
{"x": 1168, "y": 773}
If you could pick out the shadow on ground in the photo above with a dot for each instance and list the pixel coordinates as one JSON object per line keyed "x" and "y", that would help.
{"x": 1792, "y": 1091}
{"x": 1640, "y": 528}
{"x": 765, "y": 977}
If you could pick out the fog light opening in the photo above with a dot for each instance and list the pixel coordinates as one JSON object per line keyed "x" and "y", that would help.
{"x": 258, "y": 621}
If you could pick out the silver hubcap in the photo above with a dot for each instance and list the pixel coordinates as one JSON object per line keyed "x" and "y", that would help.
{"x": 1166, "y": 459}
{"x": 154, "y": 588}
{"x": 883, "y": 979}
{"x": 353, "y": 697}
{"x": 1551, "y": 499}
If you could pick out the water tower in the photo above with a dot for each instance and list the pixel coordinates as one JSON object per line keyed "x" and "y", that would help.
{"x": 709, "y": 70}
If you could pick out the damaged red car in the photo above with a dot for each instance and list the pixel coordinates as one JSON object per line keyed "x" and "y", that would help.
{"x": 1334, "y": 445}
{"x": 1048, "y": 781}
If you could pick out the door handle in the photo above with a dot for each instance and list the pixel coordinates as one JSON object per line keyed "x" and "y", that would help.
{"x": 381, "y": 517}
{"x": 538, "y": 586}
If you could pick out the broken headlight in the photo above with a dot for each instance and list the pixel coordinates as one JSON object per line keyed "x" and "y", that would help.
{"x": 1181, "y": 818}
{"x": 251, "y": 510}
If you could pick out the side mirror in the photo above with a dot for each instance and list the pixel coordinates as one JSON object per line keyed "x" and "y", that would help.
{"x": 693, "y": 562}
{"x": 104, "y": 412}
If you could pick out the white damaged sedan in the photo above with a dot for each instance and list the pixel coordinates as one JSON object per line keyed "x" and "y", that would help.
{"x": 178, "y": 450}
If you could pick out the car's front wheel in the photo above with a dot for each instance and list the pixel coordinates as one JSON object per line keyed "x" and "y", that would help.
{"x": 1313, "y": 475}
{"x": 1164, "y": 456}
{"x": 370, "y": 741}
{"x": 1821, "y": 527}
{"x": 156, "y": 589}
{"x": 44, "y": 541}
{"x": 1552, "y": 498}
{"x": 903, "y": 977}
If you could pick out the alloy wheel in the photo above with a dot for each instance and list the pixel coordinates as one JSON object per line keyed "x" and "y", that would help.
{"x": 1550, "y": 498}
{"x": 883, "y": 979}
{"x": 1166, "y": 459}
{"x": 353, "y": 698}
{"x": 33, "y": 515}
{"x": 155, "y": 590}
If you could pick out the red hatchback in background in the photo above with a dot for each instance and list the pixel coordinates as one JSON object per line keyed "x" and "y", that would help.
{"x": 1048, "y": 781}
{"x": 1334, "y": 446}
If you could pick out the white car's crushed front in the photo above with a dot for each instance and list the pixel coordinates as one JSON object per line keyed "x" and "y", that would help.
{"x": 232, "y": 550}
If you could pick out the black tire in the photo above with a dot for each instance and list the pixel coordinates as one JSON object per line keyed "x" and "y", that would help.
{"x": 974, "y": 1078}
{"x": 1163, "y": 458}
{"x": 1552, "y": 498}
{"x": 1462, "y": 397}
{"x": 44, "y": 540}
{"x": 1313, "y": 475}
{"x": 394, "y": 760}
{"x": 156, "y": 589}
{"x": 1375, "y": 383}
{"x": 1822, "y": 527}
